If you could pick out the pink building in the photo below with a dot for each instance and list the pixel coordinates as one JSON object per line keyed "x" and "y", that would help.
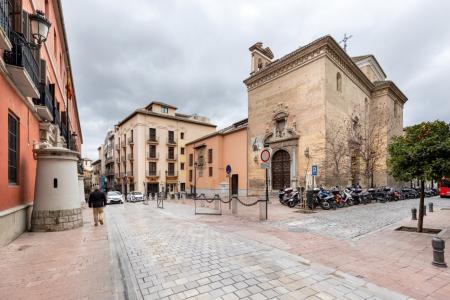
{"x": 37, "y": 102}
{"x": 209, "y": 156}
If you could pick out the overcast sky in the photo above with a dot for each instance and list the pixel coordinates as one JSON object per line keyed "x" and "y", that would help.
{"x": 194, "y": 54}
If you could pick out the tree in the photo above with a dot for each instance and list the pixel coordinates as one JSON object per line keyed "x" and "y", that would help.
{"x": 421, "y": 153}
{"x": 337, "y": 152}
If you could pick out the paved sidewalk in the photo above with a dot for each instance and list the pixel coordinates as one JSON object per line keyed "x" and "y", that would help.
{"x": 174, "y": 256}
{"x": 75, "y": 264}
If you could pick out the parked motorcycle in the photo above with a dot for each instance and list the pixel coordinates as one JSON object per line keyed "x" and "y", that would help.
{"x": 323, "y": 198}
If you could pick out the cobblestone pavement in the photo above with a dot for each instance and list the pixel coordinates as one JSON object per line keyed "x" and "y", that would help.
{"x": 171, "y": 255}
{"x": 356, "y": 221}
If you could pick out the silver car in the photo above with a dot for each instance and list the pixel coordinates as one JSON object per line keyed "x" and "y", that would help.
{"x": 114, "y": 197}
{"x": 135, "y": 197}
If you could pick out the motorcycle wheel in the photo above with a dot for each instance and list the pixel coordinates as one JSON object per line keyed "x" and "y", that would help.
{"x": 325, "y": 205}
{"x": 350, "y": 202}
{"x": 292, "y": 204}
{"x": 340, "y": 204}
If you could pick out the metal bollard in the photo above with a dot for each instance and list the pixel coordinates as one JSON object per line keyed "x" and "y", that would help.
{"x": 424, "y": 210}
{"x": 430, "y": 207}
{"x": 413, "y": 213}
{"x": 438, "y": 252}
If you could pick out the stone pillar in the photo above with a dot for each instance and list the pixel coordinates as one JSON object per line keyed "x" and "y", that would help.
{"x": 234, "y": 205}
{"x": 81, "y": 189}
{"x": 262, "y": 210}
{"x": 57, "y": 204}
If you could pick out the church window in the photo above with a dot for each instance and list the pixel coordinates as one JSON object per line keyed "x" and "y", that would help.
{"x": 339, "y": 82}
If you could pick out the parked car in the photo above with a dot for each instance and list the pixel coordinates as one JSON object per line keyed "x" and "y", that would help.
{"x": 135, "y": 197}
{"x": 114, "y": 197}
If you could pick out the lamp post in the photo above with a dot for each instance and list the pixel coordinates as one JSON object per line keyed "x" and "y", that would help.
{"x": 39, "y": 27}
{"x": 195, "y": 179}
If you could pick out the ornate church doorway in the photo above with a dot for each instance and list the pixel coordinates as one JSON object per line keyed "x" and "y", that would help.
{"x": 281, "y": 173}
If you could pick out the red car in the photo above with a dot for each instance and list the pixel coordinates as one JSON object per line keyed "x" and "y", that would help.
{"x": 444, "y": 187}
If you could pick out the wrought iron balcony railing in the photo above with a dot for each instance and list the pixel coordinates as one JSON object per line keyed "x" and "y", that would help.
{"x": 5, "y": 10}
{"x": 151, "y": 155}
{"x": 46, "y": 100}
{"x": 21, "y": 55}
{"x": 153, "y": 173}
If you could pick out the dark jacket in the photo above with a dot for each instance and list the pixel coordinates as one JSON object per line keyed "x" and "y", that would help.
{"x": 97, "y": 199}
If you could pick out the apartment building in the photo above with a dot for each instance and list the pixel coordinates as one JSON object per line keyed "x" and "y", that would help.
{"x": 38, "y": 105}
{"x": 150, "y": 148}
{"x": 109, "y": 163}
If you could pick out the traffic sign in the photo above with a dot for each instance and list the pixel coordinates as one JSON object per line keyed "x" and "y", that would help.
{"x": 228, "y": 169}
{"x": 265, "y": 155}
{"x": 265, "y": 165}
{"x": 314, "y": 170}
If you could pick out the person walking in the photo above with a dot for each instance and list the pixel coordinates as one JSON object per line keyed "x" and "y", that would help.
{"x": 97, "y": 200}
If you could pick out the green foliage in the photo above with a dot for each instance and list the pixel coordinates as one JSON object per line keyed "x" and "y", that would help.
{"x": 423, "y": 152}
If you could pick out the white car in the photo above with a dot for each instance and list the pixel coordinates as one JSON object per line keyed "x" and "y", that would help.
{"x": 114, "y": 197}
{"x": 135, "y": 196}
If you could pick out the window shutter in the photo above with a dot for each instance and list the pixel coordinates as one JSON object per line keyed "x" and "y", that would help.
{"x": 17, "y": 24}
{"x": 43, "y": 69}
{"x": 26, "y": 26}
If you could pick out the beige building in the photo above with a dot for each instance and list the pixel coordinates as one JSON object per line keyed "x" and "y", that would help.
{"x": 150, "y": 149}
{"x": 300, "y": 102}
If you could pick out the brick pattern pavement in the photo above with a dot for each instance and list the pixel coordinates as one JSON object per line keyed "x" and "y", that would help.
{"x": 73, "y": 264}
{"x": 174, "y": 257}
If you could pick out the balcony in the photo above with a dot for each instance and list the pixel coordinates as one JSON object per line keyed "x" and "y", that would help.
{"x": 118, "y": 160}
{"x": 110, "y": 172}
{"x": 152, "y": 156}
{"x": 130, "y": 141}
{"x": 22, "y": 66}
{"x": 171, "y": 156}
{"x": 130, "y": 156}
{"x": 171, "y": 173}
{"x": 63, "y": 128}
{"x": 117, "y": 147}
{"x": 109, "y": 159}
{"x": 127, "y": 175}
{"x": 5, "y": 10}
{"x": 123, "y": 159}
{"x": 153, "y": 140}
{"x": 123, "y": 145}
{"x": 171, "y": 141}
{"x": 153, "y": 173}
{"x": 44, "y": 104}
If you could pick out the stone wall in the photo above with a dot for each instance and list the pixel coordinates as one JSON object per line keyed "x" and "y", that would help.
{"x": 56, "y": 220}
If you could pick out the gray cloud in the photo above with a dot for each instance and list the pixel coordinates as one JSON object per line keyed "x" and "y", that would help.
{"x": 194, "y": 54}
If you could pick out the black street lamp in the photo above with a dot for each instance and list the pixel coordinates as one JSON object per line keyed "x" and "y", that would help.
{"x": 195, "y": 179}
{"x": 39, "y": 27}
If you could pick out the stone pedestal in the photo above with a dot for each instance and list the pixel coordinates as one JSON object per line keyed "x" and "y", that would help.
{"x": 57, "y": 204}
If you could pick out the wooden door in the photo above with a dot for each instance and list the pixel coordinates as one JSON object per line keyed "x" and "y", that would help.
{"x": 281, "y": 174}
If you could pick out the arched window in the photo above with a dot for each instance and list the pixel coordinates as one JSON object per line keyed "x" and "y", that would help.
{"x": 339, "y": 82}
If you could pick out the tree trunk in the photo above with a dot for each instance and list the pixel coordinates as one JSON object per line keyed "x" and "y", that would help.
{"x": 371, "y": 180}
{"x": 421, "y": 204}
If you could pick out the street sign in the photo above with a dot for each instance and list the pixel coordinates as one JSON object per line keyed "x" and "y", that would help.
{"x": 228, "y": 169}
{"x": 265, "y": 155}
{"x": 314, "y": 170}
{"x": 265, "y": 165}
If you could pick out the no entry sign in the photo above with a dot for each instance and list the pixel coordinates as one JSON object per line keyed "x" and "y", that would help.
{"x": 265, "y": 155}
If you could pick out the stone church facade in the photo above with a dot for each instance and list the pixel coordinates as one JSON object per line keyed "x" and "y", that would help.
{"x": 297, "y": 103}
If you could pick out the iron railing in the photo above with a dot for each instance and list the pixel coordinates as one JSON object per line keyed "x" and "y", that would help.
{"x": 153, "y": 173}
{"x": 21, "y": 55}
{"x": 56, "y": 117}
{"x": 5, "y": 10}
{"x": 46, "y": 98}
{"x": 63, "y": 128}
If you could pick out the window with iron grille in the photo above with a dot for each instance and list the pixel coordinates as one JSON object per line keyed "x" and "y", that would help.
{"x": 152, "y": 168}
{"x": 210, "y": 171}
{"x": 182, "y": 187}
{"x": 152, "y": 134}
{"x": 182, "y": 135}
{"x": 171, "y": 137}
{"x": 13, "y": 149}
{"x": 191, "y": 159}
{"x": 171, "y": 152}
{"x": 182, "y": 150}
{"x": 181, "y": 166}
{"x": 190, "y": 175}
{"x": 152, "y": 151}
{"x": 210, "y": 156}
{"x": 171, "y": 169}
